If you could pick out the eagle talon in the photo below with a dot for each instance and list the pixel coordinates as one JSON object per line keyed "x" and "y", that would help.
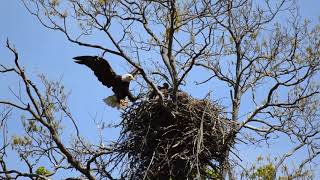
{"x": 123, "y": 103}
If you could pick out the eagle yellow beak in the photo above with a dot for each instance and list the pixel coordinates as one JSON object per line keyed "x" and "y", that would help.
{"x": 131, "y": 78}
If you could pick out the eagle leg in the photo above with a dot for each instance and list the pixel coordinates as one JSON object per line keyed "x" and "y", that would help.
{"x": 131, "y": 97}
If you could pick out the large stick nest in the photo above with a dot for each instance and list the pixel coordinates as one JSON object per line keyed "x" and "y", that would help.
{"x": 173, "y": 140}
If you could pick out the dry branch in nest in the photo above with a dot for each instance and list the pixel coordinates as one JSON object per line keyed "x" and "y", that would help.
{"x": 178, "y": 141}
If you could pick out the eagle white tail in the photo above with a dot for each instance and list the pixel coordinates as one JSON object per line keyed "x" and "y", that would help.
{"x": 113, "y": 102}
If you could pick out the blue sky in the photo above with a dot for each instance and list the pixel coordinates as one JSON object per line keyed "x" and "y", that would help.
{"x": 45, "y": 51}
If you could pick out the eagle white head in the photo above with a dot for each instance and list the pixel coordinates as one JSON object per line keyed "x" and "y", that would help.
{"x": 127, "y": 77}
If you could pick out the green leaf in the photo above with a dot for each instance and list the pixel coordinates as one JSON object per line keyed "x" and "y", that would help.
{"x": 42, "y": 171}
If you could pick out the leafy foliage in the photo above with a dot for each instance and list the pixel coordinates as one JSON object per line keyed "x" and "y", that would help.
{"x": 42, "y": 171}
{"x": 265, "y": 172}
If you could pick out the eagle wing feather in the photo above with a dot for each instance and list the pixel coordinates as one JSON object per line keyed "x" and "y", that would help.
{"x": 101, "y": 69}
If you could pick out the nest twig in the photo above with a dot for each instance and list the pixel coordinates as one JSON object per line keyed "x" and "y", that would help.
{"x": 168, "y": 140}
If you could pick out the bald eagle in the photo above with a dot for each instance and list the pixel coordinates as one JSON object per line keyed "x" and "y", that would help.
{"x": 105, "y": 74}
{"x": 164, "y": 89}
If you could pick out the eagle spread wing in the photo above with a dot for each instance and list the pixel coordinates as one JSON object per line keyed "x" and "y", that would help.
{"x": 101, "y": 69}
